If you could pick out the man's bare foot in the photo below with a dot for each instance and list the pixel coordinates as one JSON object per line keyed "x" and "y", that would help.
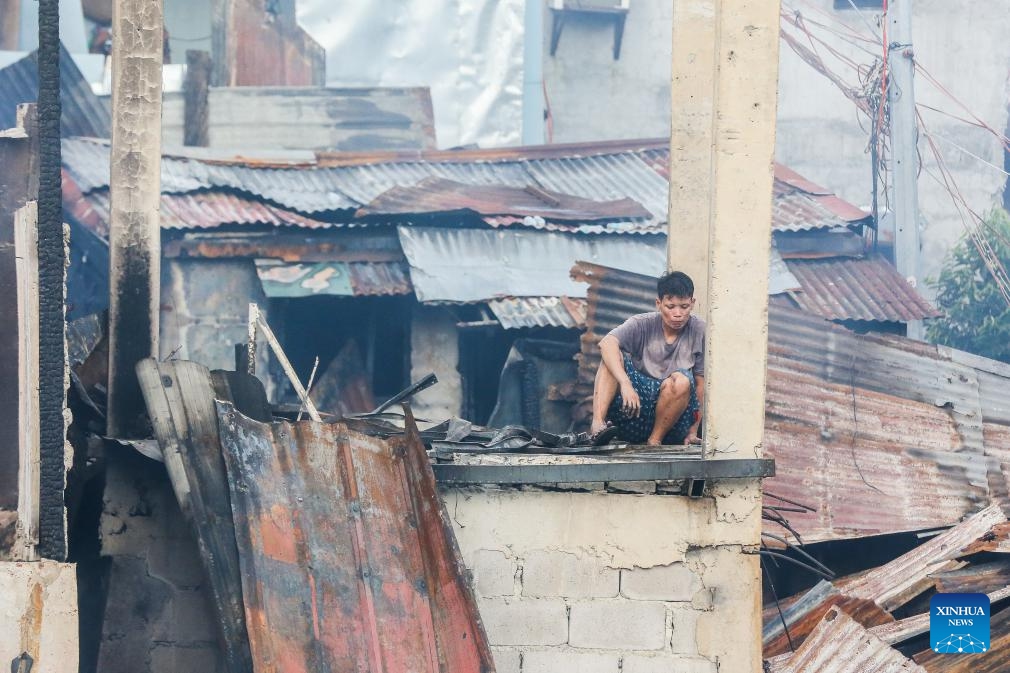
{"x": 597, "y": 427}
{"x": 652, "y": 441}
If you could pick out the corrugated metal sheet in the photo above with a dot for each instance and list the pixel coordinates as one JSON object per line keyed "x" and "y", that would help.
{"x": 606, "y": 176}
{"x": 840, "y": 644}
{"x": 206, "y": 210}
{"x": 468, "y": 265}
{"x": 888, "y": 586}
{"x": 438, "y": 195}
{"x": 82, "y": 114}
{"x": 348, "y": 558}
{"x": 607, "y": 170}
{"x": 307, "y": 279}
{"x": 804, "y": 612}
{"x": 518, "y": 312}
{"x": 857, "y": 289}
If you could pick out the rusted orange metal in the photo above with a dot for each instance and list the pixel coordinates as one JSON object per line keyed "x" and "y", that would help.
{"x": 348, "y": 560}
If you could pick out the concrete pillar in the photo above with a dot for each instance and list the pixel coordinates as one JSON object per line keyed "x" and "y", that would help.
{"x": 724, "y": 77}
{"x": 135, "y": 192}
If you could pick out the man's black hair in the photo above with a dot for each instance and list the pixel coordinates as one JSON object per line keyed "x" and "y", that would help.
{"x": 675, "y": 284}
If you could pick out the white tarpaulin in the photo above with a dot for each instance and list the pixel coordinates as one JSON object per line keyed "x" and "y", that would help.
{"x": 469, "y": 52}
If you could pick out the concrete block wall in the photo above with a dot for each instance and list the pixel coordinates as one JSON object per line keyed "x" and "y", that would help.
{"x": 158, "y": 616}
{"x": 604, "y": 582}
{"x": 205, "y": 310}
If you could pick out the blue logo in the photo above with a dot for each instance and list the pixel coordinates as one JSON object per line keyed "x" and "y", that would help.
{"x": 959, "y": 623}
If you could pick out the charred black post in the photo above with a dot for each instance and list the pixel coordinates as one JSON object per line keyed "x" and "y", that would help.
{"x": 135, "y": 198}
{"x": 52, "y": 283}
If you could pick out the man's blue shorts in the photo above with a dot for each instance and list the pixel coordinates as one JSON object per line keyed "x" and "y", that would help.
{"x": 637, "y": 430}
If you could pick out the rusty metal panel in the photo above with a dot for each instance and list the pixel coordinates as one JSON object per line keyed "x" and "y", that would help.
{"x": 889, "y": 585}
{"x": 259, "y": 43}
{"x": 438, "y": 195}
{"x": 348, "y": 561}
{"x": 857, "y": 289}
{"x": 804, "y": 612}
{"x": 207, "y": 210}
{"x": 840, "y": 644}
{"x": 605, "y": 176}
{"x": 518, "y": 312}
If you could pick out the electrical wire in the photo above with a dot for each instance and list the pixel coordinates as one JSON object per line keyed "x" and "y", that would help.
{"x": 975, "y": 232}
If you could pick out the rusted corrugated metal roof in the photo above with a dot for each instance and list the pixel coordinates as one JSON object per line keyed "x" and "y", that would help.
{"x": 348, "y": 559}
{"x": 840, "y": 644}
{"x": 438, "y": 195}
{"x": 341, "y": 182}
{"x": 82, "y": 114}
{"x": 207, "y": 210}
{"x": 518, "y": 312}
{"x": 857, "y": 289}
{"x": 893, "y": 584}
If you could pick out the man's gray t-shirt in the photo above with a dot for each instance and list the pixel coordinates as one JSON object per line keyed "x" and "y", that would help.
{"x": 641, "y": 336}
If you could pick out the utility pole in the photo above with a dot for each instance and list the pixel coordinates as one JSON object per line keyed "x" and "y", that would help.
{"x": 135, "y": 192}
{"x": 904, "y": 150}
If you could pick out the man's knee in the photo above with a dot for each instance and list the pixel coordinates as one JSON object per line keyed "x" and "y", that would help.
{"x": 676, "y": 384}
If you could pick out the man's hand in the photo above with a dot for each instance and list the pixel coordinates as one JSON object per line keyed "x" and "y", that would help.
{"x": 631, "y": 405}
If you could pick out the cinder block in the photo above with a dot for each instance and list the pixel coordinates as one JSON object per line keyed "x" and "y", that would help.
{"x": 674, "y": 582}
{"x": 665, "y": 663}
{"x": 187, "y": 619}
{"x": 556, "y": 573}
{"x": 684, "y": 638}
{"x": 506, "y": 659}
{"x": 513, "y": 621}
{"x": 171, "y": 659}
{"x": 494, "y": 573}
{"x": 618, "y": 625}
{"x": 568, "y": 660}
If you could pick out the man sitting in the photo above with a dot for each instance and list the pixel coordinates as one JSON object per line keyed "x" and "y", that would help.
{"x": 651, "y": 380}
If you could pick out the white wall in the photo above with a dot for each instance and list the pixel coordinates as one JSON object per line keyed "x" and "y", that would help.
{"x": 594, "y": 97}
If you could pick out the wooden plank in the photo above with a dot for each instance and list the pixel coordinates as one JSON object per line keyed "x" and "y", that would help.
{"x": 180, "y": 402}
{"x": 29, "y": 446}
{"x": 196, "y": 116}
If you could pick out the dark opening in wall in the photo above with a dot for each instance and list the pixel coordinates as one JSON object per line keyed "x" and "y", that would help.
{"x": 482, "y": 355}
{"x": 374, "y": 331}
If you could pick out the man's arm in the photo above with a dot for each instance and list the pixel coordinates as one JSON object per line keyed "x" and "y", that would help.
{"x": 613, "y": 360}
{"x": 699, "y": 391}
